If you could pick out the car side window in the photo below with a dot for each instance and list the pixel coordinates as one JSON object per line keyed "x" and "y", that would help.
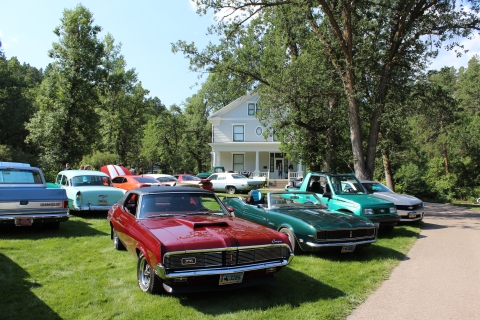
{"x": 117, "y": 180}
{"x": 131, "y": 203}
{"x": 213, "y": 177}
{"x": 221, "y": 178}
{"x": 64, "y": 181}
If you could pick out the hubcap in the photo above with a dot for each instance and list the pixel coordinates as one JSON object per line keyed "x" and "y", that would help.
{"x": 145, "y": 274}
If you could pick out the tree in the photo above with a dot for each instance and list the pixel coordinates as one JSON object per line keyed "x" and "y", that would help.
{"x": 368, "y": 44}
{"x": 66, "y": 126}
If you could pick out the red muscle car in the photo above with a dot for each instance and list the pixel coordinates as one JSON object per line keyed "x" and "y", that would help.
{"x": 185, "y": 239}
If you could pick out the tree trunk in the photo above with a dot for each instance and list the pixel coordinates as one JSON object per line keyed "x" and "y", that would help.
{"x": 330, "y": 138}
{"x": 388, "y": 169}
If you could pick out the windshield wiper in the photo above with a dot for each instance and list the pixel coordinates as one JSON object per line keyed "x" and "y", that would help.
{"x": 165, "y": 215}
{"x": 200, "y": 212}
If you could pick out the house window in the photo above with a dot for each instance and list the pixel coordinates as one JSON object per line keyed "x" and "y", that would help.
{"x": 259, "y": 131}
{"x": 253, "y": 108}
{"x": 238, "y": 160}
{"x": 238, "y": 133}
{"x": 275, "y": 138}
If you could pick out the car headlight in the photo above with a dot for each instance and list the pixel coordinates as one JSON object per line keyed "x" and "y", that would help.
{"x": 393, "y": 210}
{"x": 367, "y": 211}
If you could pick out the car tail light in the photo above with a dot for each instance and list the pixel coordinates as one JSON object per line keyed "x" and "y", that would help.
{"x": 65, "y": 204}
{"x": 144, "y": 185}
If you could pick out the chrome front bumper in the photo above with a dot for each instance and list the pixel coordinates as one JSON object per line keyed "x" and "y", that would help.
{"x": 404, "y": 216}
{"x": 339, "y": 244}
{"x": 42, "y": 216}
{"x": 162, "y": 273}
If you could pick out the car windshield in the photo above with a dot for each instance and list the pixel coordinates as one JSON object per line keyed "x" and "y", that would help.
{"x": 146, "y": 180}
{"x": 375, "y": 187}
{"x": 294, "y": 200}
{"x": 166, "y": 179}
{"x": 87, "y": 180}
{"x": 238, "y": 176}
{"x": 347, "y": 184}
{"x": 191, "y": 178}
{"x": 180, "y": 203}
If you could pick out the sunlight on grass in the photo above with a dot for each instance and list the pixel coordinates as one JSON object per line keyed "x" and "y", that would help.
{"x": 75, "y": 273}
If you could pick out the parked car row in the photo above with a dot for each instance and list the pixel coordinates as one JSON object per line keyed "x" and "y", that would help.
{"x": 186, "y": 239}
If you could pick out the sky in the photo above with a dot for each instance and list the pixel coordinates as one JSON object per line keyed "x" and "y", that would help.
{"x": 145, "y": 28}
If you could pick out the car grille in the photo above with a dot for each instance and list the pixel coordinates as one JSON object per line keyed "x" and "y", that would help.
{"x": 412, "y": 207}
{"x": 225, "y": 258}
{"x": 346, "y": 235}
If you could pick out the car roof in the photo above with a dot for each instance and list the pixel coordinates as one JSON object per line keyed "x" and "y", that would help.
{"x": 74, "y": 173}
{"x": 166, "y": 189}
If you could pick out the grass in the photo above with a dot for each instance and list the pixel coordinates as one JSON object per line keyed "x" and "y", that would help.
{"x": 75, "y": 273}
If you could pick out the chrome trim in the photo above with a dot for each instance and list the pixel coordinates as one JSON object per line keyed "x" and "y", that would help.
{"x": 91, "y": 208}
{"x": 160, "y": 270}
{"x": 227, "y": 249}
{"x": 35, "y": 216}
{"x": 320, "y": 245}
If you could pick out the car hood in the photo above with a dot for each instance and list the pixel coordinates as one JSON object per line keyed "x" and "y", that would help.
{"x": 397, "y": 198}
{"x": 209, "y": 232}
{"x": 367, "y": 200}
{"x": 322, "y": 219}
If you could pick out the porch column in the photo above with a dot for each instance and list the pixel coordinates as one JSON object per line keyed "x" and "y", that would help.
{"x": 214, "y": 159}
{"x": 257, "y": 160}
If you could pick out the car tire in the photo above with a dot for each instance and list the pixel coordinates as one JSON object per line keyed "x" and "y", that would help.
{"x": 117, "y": 244}
{"x": 231, "y": 189}
{"x": 291, "y": 237}
{"x": 147, "y": 279}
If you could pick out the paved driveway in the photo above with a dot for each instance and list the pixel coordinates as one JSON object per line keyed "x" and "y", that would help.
{"x": 440, "y": 276}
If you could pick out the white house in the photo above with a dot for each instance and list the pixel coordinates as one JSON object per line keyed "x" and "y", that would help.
{"x": 238, "y": 143}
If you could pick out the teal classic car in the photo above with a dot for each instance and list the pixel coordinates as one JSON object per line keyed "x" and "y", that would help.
{"x": 88, "y": 190}
{"x": 307, "y": 222}
{"x": 344, "y": 192}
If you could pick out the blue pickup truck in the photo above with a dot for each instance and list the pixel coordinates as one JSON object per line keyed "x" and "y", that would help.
{"x": 25, "y": 199}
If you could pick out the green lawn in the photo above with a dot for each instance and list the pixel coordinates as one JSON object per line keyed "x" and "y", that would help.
{"x": 75, "y": 273}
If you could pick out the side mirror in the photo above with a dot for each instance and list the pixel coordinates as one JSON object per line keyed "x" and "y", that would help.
{"x": 230, "y": 209}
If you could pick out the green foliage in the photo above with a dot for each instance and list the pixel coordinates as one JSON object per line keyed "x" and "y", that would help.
{"x": 98, "y": 159}
{"x": 409, "y": 180}
{"x": 66, "y": 126}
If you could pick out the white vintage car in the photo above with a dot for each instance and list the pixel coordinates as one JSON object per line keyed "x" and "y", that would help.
{"x": 409, "y": 208}
{"x": 233, "y": 182}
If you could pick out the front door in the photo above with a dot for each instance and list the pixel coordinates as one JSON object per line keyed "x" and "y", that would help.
{"x": 279, "y": 168}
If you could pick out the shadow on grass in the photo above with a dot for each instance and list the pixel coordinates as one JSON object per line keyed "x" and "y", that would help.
{"x": 93, "y": 215}
{"x": 16, "y": 299}
{"x": 292, "y": 288}
{"x": 68, "y": 229}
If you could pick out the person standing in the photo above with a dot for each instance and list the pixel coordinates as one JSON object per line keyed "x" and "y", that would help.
{"x": 280, "y": 171}
{"x": 67, "y": 166}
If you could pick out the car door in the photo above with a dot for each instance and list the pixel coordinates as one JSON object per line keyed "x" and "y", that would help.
{"x": 124, "y": 218}
{"x": 216, "y": 183}
{"x": 255, "y": 213}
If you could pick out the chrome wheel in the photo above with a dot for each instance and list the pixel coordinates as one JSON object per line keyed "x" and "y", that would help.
{"x": 231, "y": 190}
{"x": 147, "y": 280}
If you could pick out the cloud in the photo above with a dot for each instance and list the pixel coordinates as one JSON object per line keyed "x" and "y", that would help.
{"x": 450, "y": 59}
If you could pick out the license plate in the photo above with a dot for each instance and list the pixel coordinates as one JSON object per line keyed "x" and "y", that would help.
{"x": 348, "y": 249}
{"x": 231, "y": 278}
{"x": 412, "y": 214}
{"x": 23, "y": 222}
{"x": 102, "y": 201}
